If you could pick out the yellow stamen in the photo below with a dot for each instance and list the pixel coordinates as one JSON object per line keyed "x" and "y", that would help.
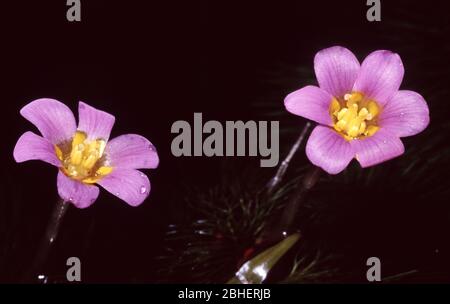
{"x": 82, "y": 159}
{"x": 362, "y": 128}
{"x": 341, "y": 113}
{"x": 59, "y": 153}
{"x": 355, "y": 97}
{"x": 76, "y": 156}
{"x": 354, "y": 117}
{"x": 90, "y": 160}
{"x": 78, "y": 138}
{"x": 335, "y": 106}
{"x": 101, "y": 172}
{"x": 104, "y": 170}
{"x": 363, "y": 113}
{"x": 371, "y": 130}
{"x": 373, "y": 108}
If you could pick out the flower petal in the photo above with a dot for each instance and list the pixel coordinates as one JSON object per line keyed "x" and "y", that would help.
{"x": 31, "y": 146}
{"x": 75, "y": 192}
{"x": 54, "y": 119}
{"x": 328, "y": 150}
{"x": 310, "y": 102}
{"x": 336, "y": 70}
{"x": 95, "y": 123}
{"x": 132, "y": 151}
{"x": 380, "y": 147}
{"x": 380, "y": 76}
{"x": 130, "y": 185}
{"x": 405, "y": 114}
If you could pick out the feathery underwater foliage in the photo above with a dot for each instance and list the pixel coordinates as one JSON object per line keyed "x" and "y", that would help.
{"x": 397, "y": 211}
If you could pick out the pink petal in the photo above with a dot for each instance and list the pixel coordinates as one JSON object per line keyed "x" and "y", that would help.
{"x": 310, "y": 102}
{"x": 380, "y": 76}
{"x": 405, "y": 114}
{"x": 34, "y": 147}
{"x": 132, "y": 151}
{"x": 380, "y": 147}
{"x": 130, "y": 185}
{"x": 328, "y": 150}
{"x": 54, "y": 119}
{"x": 95, "y": 123}
{"x": 75, "y": 192}
{"x": 336, "y": 70}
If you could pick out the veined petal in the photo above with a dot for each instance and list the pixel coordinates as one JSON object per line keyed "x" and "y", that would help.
{"x": 336, "y": 70}
{"x": 75, "y": 192}
{"x": 95, "y": 123}
{"x": 328, "y": 150}
{"x": 405, "y": 114}
{"x": 312, "y": 103}
{"x": 34, "y": 147}
{"x": 380, "y": 76}
{"x": 132, "y": 151}
{"x": 380, "y": 147}
{"x": 131, "y": 186}
{"x": 54, "y": 119}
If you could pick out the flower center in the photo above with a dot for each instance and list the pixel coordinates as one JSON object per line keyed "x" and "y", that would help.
{"x": 83, "y": 159}
{"x": 355, "y": 117}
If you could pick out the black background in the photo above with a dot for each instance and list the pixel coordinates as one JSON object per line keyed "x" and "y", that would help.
{"x": 150, "y": 64}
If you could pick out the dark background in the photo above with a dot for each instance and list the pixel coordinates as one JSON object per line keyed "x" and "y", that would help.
{"x": 150, "y": 64}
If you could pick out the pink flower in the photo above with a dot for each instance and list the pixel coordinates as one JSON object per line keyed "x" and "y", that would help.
{"x": 84, "y": 155}
{"x": 359, "y": 108}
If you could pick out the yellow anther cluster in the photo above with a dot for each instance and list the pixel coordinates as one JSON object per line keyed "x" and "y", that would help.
{"x": 354, "y": 117}
{"x": 82, "y": 159}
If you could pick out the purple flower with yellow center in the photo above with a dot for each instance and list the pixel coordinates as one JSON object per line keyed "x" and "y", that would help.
{"x": 85, "y": 156}
{"x": 360, "y": 111}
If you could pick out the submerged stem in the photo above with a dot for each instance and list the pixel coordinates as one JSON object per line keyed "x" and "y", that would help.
{"x": 33, "y": 275}
{"x": 280, "y": 227}
{"x": 285, "y": 163}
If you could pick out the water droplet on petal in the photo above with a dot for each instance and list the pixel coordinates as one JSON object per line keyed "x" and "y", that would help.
{"x": 143, "y": 189}
{"x": 402, "y": 114}
{"x": 384, "y": 141}
{"x": 142, "y": 175}
{"x": 117, "y": 193}
{"x": 70, "y": 199}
